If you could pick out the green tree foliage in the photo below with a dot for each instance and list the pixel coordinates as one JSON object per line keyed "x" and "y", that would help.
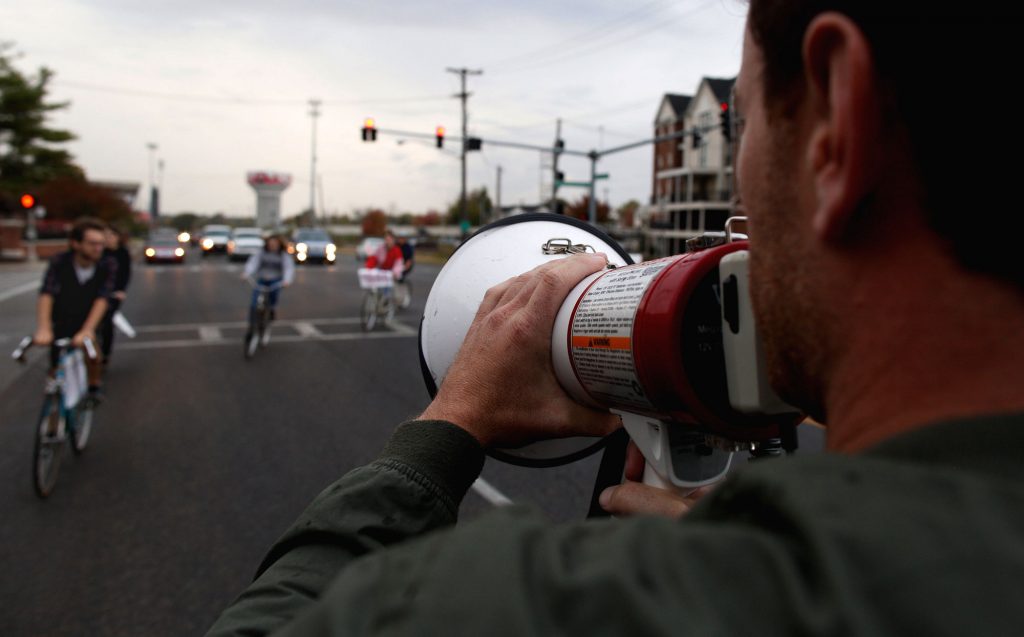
{"x": 478, "y": 207}
{"x": 30, "y": 151}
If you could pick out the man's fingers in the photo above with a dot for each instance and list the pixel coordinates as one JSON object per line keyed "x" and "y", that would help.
{"x": 635, "y": 462}
{"x": 634, "y": 498}
{"x": 553, "y": 281}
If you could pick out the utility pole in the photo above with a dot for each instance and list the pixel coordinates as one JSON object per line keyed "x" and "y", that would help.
{"x": 153, "y": 212}
{"x": 497, "y": 194}
{"x": 555, "y": 175}
{"x": 314, "y": 112}
{"x": 463, "y": 95}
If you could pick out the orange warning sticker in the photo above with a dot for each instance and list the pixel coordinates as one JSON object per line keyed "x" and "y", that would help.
{"x": 602, "y": 342}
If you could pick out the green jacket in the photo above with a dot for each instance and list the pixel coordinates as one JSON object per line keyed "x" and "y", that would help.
{"x": 922, "y": 535}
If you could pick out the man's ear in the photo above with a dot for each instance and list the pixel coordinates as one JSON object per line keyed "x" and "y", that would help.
{"x": 844, "y": 110}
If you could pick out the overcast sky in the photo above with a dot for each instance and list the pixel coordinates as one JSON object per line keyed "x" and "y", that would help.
{"x": 221, "y": 87}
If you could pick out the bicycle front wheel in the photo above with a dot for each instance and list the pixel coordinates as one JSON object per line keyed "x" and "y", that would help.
{"x": 369, "y": 311}
{"x": 82, "y": 426}
{"x": 48, "y": 447}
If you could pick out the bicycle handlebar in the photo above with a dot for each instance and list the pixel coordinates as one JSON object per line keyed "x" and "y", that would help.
{"x": 26, "y": 343}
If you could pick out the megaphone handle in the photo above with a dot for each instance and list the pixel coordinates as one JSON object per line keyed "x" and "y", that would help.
{"x": 654, "y": 479}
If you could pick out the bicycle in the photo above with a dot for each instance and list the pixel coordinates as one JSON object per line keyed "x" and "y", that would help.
{"x": 67, "y": 408}
{"x": 378, "y": 301}
{"x": 258, "y": 334}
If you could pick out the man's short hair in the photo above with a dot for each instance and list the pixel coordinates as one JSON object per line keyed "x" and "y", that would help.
{"x": 945, "y": 72}
{"x": 86, "y": 223}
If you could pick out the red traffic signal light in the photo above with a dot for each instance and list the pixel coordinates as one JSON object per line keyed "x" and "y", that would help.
{"x": 726, "y": 120}
{"x": 28, "y": 201}
{"x": 369, "y": 130}
{"x": 440, "y": 136}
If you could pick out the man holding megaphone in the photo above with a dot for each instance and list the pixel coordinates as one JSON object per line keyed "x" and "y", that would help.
{"x": 888, "y": 309}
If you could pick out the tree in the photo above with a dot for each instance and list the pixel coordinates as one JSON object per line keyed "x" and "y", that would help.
{"x": 478, "y": 206}
{"x": 71, "y": 196}
{"x": 627, "y": 213}
{"x": 30, "y": 151}
{"x": 581, "y": 210}
{"x": 375, "y": 222}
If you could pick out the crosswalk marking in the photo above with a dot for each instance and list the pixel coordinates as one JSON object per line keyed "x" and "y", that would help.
{"x": 210, "y": 333}
{"x": 287, "y": 338}
{"x": 307, "y": 329}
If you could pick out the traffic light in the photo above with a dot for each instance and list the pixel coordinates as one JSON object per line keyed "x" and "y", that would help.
{"x": 726, "y": 117}
{"x": 474, "y": 143}
{"x": 28, "y": 201}
{"x": 440, "y": 136}
{"x": 696, "y": 138}
{"x": 369, "y": 130}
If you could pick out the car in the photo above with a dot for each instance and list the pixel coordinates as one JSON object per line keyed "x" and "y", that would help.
{"x": 163, "y": 247}
{"x": 215, "y": 239}
{"x": 313, "y": 244}
{"x": 368, "y": 246}
{"x": 244, "y": 243}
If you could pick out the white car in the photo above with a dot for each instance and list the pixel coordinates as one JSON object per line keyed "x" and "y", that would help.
{"x": 215, "y": 239}
{"x": 244, "y": 243}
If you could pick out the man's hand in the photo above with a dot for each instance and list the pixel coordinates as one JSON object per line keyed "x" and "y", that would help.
{"x": 79, "y": 338}
{"x": 502, "y": 387}
{"x": 120, "y": 295}
{"x": 43, "y": 336}
{"x": 632, "y": 497}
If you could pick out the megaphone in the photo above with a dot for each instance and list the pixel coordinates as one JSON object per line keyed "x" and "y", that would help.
{"x": 669, "y": 345}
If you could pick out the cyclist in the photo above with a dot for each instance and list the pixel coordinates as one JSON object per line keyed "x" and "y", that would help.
{"x": 118, "y": 251}
{"x": 408, "y": 256}
{"x": 75, "y": 295}
{"x": 268, "y": 267}
{"x": 388, "y": 257}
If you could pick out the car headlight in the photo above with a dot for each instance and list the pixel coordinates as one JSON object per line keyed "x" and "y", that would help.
{"x": 331, "y": 248}
{"x": 184, "y": 237}
{"x": 330, "y": 256}
{"x": 301, "y": 256}
{"x": 150, "y": 252}
{"x": 207, "y": 244}
{"x": 179, "y": 252}
{"x": 302, "y": 247}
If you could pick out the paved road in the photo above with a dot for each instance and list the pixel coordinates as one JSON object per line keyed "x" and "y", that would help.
{"x": 199, "y": 459}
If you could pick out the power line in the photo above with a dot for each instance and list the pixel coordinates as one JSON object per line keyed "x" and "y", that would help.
{"x": 241, "y": 101}
{"x": 599, "y": 31}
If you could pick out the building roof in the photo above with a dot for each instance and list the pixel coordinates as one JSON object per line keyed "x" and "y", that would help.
{"x": 678, "y": 102}
{"x": 721, "y": 87}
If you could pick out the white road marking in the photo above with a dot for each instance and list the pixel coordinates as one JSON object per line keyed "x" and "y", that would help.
{"x": 307, "y": 329}
{"x": 21, "y": 289}
{"x": 210, "y": 334}
{"x": 173, "y": 327}
{"x": 179, "y": 343}
{"x": 487, "y": 491}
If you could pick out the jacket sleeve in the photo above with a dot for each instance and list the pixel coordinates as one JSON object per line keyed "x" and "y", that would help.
{"x": 251, "y": 265}
{"x": 414, "y": 487}
{"x": 124, "y": 269}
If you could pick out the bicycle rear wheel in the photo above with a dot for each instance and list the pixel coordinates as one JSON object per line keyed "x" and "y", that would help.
{"x": 48, "y": 448}
{"x": 369, "y": 310}
{"x": 82, "y": 426}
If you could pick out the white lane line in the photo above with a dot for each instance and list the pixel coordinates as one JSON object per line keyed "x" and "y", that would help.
{"x": 170, "y": 344}
{"x": 487, "y": 491}
{"x": 307, "y": 329}
{"x": 210, "y": 334}
{"x": 172, "y": 327}
{"x": 21, "y": 289}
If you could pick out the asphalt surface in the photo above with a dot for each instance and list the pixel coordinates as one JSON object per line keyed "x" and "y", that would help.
{"x": 200, "y": 459}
